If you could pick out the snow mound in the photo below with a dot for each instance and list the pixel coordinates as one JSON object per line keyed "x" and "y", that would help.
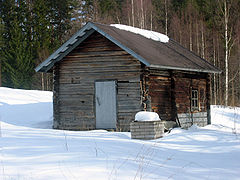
{"x": 29, "y": 108}
{"x": 20, "y": 96}
{"x": 194, "y": 127}
{"x": 27, "y": 152}
{"x": 225, "y": 118}
{"x": 147, "y": 116}
{"x": 146, "y": 33}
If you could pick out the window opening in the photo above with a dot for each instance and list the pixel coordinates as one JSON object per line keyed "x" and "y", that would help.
{"x": 194, "y": 100}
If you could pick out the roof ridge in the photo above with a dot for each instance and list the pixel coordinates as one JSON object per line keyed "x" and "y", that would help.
{"x": 149, "y": 52}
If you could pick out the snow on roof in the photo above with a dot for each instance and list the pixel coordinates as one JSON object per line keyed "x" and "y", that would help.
{"x": 146, "y": 33}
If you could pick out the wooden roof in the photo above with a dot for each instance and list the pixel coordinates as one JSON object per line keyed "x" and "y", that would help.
{"x": 170, "y": 55}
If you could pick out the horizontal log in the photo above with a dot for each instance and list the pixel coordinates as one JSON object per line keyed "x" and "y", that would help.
{"x": 128, "y": 103}
{"x": 83, "y": 93}
{"x": 97, "y": 48}
{"x": 78, "y": 113}
{"x": 81, "y": 60}
{"x": 128, "y": 95}
{"x": 76, "y": 108}
{"x": 83, "y": 99}
{"x": 96, "y": 54}
{"x": 123, "y": 110}
{"x": 80, "y": 85}
{"x": 102, "y": 70}
{"x": 80, "y": 91}
{"x": 130, "y": 76}
{"x": 127, "y": 84}
{"x": 131, "y": 100}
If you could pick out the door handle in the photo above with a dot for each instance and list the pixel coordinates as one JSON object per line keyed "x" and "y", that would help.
{"x": 98, "y": 101}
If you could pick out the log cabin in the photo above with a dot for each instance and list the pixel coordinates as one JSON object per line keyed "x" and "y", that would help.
{"x": 103, "y": 75}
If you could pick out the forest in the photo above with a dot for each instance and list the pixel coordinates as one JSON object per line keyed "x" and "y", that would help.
{"x": 30, "y": 30}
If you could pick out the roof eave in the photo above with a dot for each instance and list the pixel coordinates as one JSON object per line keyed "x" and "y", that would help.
{"x": 85, "y": 32}
{"x": 46, "y": 65}
{"x": 185, "y": 69}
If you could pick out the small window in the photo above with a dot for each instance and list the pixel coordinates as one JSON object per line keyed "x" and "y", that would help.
{"x": 194, "y": 100}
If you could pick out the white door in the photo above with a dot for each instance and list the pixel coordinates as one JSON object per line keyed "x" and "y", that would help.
{"x": 105, "y": 102}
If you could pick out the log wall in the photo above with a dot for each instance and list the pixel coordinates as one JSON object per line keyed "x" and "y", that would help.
{"x": 166, "y": 92}
{"x": 184, "y": 83}
{"x": 96, "y": 58}
{"x": 160, "y": 93}
{"x": 170, "y": 96}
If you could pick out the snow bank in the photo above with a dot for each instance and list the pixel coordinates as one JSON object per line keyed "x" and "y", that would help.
{"x": 226, "y": 118}
{"x": 146, "y": 33}
{"x": 26, "y": 153}
{"x": 19, "y": 96}
{"x": 29, "y": 108}
{"x": 147, "y": 116}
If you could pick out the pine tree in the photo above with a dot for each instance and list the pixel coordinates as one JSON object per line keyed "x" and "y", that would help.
{"x": 1, "y": 47}
{"x": 60, "y": 18}
{"x": 17, "y": 63}
{"x": 33, "y": 30}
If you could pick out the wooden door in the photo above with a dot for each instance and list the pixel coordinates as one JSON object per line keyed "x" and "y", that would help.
{"x": 105, "y": 102}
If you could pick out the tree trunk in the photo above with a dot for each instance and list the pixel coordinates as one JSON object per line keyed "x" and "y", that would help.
{"x": 133, "y": 14}
{"x": 142, "y": 16}
{"x": 166, "y": 18}
{"x": 226, "y": 51}
{"x": 42, "y": 81}
{"x": 214, "y": 75}
{"x": 190, "y": 36}
{"x": 197, "y": 39}
{"x": 151, "y": 20}
{"x": 233, "y": 102}
{"x": 203, "y": 43}
{"x": 219, "y": 80}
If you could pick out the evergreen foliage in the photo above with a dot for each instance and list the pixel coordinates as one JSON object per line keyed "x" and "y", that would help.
{"x": 33, "y": 29}
{"x": 30, "y": 30}
{"x": 17, "y": 62}
{"x": 1, "y": 47}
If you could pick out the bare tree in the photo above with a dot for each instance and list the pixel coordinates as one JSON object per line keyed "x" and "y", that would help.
{"x": 132, "y": 13}
{"x": 224, "y": 6}
{"x": 166, "y": 16}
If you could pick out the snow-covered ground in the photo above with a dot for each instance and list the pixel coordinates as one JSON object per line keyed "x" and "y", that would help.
{"x": 30, "y": 149}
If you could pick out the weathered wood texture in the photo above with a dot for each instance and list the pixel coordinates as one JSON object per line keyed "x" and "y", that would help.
{"x": 166, "y": 92}
{"x": 55, "y": 96}
{"x": 96, "y": 58}
{"x": 160, "y": 93}
{"x": 170, "y": 95}
{"x": 184, "y": 83}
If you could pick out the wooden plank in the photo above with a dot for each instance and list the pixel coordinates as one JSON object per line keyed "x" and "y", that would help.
{"x": 78, "y": 113}
{"x": 97, "y": 54}
{"x": 113, "y": 58}
{"x": 96, "y": 59}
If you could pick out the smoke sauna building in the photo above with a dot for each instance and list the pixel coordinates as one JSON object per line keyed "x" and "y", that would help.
{"x": 103, "y": 75}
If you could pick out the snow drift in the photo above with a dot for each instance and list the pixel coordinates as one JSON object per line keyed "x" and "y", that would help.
{"x": 28, "y": 152}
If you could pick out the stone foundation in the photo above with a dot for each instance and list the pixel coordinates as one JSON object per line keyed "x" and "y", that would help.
{"x": 146, "y": 129}
{"x": 188, "y": 119}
